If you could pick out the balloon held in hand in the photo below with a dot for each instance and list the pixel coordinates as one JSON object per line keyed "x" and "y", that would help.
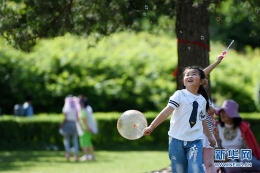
{"x": 131, "y": 124}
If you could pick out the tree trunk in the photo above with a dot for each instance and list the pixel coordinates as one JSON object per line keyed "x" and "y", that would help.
{"x": 192, "y": 31}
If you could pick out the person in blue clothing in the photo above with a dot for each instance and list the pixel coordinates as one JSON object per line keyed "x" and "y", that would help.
{"x": 28, "y": 108}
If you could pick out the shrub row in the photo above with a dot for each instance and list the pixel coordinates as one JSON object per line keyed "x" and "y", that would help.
{"x": 32, "y": 134}
{"x": 40, "y": 135}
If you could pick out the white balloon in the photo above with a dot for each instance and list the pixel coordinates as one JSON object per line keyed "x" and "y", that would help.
{"x": 131, "y": 124}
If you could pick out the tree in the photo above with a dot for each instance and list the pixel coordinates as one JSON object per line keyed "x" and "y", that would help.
{"x": 236, "y": 20}
{"x": 24, "y": 22}
{"x": 192, "y": 31}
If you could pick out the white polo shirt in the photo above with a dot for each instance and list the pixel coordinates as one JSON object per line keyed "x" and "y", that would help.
{"x": 182, "y": 102}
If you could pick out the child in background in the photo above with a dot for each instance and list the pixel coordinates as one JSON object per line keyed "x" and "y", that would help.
{"x": 68, "y": 128}
{"x": 208, "y": 151}
{"x": 187, "y": 123}
{"x": 89, "y": 126}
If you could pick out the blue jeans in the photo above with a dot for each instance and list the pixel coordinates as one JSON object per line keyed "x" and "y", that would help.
{"x": 66, "y": 143}
{"x": 186, "y": 156}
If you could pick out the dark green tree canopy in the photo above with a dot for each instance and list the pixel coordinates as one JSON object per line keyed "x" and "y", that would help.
{"x": 23, "y": 22}
{"x": 237, "y": 20}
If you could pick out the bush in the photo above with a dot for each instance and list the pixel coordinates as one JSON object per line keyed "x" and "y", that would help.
{"x": 237, "y": 77}
{"x": 39, "y": 132}
{"x": 113, "y": 80}
{"x": 121, "y": 72}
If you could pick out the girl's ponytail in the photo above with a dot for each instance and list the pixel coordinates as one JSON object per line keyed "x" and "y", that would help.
{"x": 203, "y": 92}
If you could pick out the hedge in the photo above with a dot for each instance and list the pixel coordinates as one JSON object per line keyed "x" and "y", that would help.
{"x": 30, "y": 134}
{"x": 39, "y": 133}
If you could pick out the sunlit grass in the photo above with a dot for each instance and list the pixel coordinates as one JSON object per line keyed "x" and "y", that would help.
{"x": 105, "y": 115}
{"x": 107, "y": 161}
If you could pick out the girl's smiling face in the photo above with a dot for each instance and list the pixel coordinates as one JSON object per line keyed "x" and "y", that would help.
{"x": 192, "y": 78}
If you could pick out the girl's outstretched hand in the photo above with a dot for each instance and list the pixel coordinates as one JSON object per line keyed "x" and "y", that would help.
{"x": 148, "y": 130}
{"x": 219, "y": 58}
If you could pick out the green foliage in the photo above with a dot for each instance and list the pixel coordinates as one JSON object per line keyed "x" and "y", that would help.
{"x": 124, "y": 71}
{"x": 12, "y": 71}
{"x": 18, "y": 78}
{"x": 121, "y": 72}
{"x": 31, "y": 134}
{"x": 238, "y": 20}
{"x": 237, "y": 78}
{"x": 24, "y": 22}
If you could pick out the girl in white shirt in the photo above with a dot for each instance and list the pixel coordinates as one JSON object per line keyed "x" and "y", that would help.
{"x": 187, "y": 124}
{"x": 68, "y": 127}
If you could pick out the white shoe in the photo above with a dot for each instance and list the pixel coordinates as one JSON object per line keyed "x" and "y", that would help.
{"x": 84, "y": 158}
{"x": 91, "y": 157}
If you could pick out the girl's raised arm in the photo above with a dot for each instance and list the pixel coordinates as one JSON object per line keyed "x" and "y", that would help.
{"x": 208, "y": 69}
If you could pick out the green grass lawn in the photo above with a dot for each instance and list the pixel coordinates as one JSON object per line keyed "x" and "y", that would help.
{"x": 107, "y": 161}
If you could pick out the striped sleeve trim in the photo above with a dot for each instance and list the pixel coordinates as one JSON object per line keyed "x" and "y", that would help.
{"x": 210, "y": 123}
{"x": 174, "y": 103}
